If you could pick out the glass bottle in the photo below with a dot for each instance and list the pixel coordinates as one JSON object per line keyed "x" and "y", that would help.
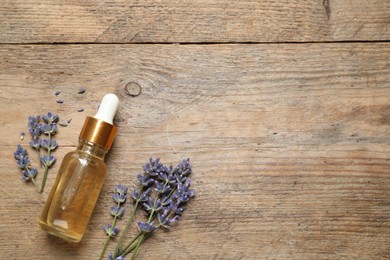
{"x": 81, "y": 176}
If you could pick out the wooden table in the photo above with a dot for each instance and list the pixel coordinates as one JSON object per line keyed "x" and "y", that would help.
{"x": 283, "y": 107}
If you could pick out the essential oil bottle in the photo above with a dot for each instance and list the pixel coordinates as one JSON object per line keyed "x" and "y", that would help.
{"x": 80, "y": 177}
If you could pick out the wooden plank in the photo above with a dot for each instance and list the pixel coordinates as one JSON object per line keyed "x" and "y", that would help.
{"x": 290, "y": 144}
{"x": 186, "y": 21}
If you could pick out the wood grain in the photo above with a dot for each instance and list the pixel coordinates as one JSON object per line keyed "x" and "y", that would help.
{"x": 186, "y": 21}
{"x": 289, "y": 143}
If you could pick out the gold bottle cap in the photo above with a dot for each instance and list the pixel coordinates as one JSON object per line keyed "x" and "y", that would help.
{"x": 98, "y": 132}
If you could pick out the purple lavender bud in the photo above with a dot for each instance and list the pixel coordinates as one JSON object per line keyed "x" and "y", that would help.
{"x": 57, "y": 92}
{"x": 23, "y": 162}
{"x": 48, "y": 160}
{"x": 153, "y": 167}
{"x": 184, "y": 167}
{"x": 49, "y": 144}
{"x": 50, "y": 118}
{"x": 144, "y": 180}
{"x": 29, "y": 174}
{"x": 165, "y": 201}
{"x": 121, "y": 189}
{"x": 22, "y": 135}
{"x": 176, "y": 208}
{"x": 145, "y": 227}
{"x": 81, "y": 91}
{"x": 140, "y": 197}
{"x": 35, "y": 143}
{"x": 49, "y": 128}
{"x": 161, "y": 187}
{"x": 165, "y": 221}
{"x": 119, "y": 198}
{"x": 20, "y": 152}
{"x": 110, "y": 231}
{"x": 117, "y": 211}
{"x": 80, "y": 109}
{"x": 110, "y": 257}
{"x": 179, "y": 178}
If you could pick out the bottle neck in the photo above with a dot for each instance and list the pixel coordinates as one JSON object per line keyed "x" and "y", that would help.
{"x": 92, "y": 149}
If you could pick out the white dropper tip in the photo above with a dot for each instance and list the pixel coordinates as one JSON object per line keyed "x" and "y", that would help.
{"x": 107, "y": 108}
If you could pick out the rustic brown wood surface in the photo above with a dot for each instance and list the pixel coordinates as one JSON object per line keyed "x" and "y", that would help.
{"x": 124, "y": 21}
{"x": 290, "y": 144}
{"x": 288, "y": 130}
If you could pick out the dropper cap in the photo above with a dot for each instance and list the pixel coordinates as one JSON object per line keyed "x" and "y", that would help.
{"x": 100, "y": 129}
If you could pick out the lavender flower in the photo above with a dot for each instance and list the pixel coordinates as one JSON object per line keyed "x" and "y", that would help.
{"x": 153, "y": 206}
{"x": 176, "y": 208}
{"x": 23, "y": 162}
{"x": 161, "y": 187}
{"x": 153, "y": 167}
{"x": 146, "y": 227}
{"x": 29, "y": 174}
{"x": 121, "y": 189}
{"x": 35, "y": 143}
{"x": 119, "y": 198}
{"x": 117, "y": 211}
{"x": 167, "y": 176}
{"x": 140, "y": 196}
{"x": 49, "y": 128}
{"x": 50, "y": 118}
{"x": 47, "y": 160}
{"x": 165, "y": 221}
{"x": 144, "y": 180}
{"x": 34, "y": 127}
{"x": 184, "y": 167}
{"x": 183, "y": 193}
{"x": 49, "y": 144}
{"x": 110, "y": 231}
{"x": 110, "y": 257}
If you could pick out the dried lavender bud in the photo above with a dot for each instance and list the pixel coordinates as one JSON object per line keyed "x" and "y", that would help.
{"x": 176, "y": 208}
{"x": 50, "y": 118}
{"x": 80, "y": 109}
{"x": 33, "y": 126}
{"x": 35, "y": 143}
{"x": 110, "y": 231}
{"x": 140, "y": 197}
{"x": 121, "y": 189}
{"x": 68, "y": 120}
{"x": 22, "y": 134}
{"x": 49, "y": 144}
{"x": 184, "y": 167}
{"x": 165, "y": 221}
{"x": 119, "y": 198}
{"x": 110, "y": 257}
{"x": 47, "y": 161}
{"x": 29, "y": 174}
{"x": 117, "y": 211}
{"x": 153, "y": 167}
{"x": 161, "y": 187}
{"x": 145, "y": 227}
{"x": 57, "y": 92}
{"x": 59, "y": 101}
{"x": 63, "y": 124}
{"x": 49, "y": 128}
{"x": 81, "y": 91}
{"x": 144, "y": 180}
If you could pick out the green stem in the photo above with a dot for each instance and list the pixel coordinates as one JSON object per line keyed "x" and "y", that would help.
{"x": 128, "y": 248}
{"x": 134, "y": 246}
{"x": 46, "y": 168}
{"x": 126, "y": 228}
{"x": 137, "y": 247}
{"x": 108, "y": 237}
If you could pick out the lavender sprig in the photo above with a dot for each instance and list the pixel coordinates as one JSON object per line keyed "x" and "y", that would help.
{"x": 117, "y": 211}
{"x": 21, "y": 157}
{"x": 49, "y": 128}
{"x": 171, "y": 187}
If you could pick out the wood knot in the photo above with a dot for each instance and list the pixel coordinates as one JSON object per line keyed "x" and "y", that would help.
{"x": 133, "y": 89}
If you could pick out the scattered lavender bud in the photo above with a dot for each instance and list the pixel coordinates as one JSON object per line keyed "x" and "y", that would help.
{"x": 57, "y": 92}
{"x": 68, "y": 120}
{"x": 80, "y": 109}
{"x": 22, "y": 134}
{"x": 59, "y": 101}
{"x": 81, "y": 91}
{"x": 63, "y": 124}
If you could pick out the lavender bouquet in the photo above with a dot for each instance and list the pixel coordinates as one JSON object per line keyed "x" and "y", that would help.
{"x": 161, "y": 192}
